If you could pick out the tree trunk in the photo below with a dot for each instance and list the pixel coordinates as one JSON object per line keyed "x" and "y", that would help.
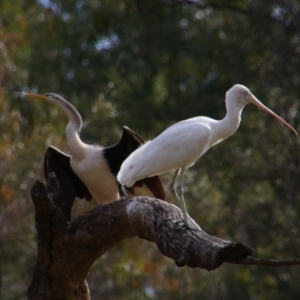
{"x": 66, "y": 251}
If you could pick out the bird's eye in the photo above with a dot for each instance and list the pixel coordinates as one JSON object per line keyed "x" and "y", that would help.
{"x": 246, "y": 95}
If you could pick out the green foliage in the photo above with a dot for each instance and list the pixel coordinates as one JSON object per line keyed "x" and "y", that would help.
{"x": 148, "y": 64}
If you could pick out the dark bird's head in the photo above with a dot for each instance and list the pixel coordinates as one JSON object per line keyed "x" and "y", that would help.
{"x": 69, "y": 109}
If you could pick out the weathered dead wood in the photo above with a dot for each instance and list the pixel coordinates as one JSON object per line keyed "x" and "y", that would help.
{"x": 67, "y": 251}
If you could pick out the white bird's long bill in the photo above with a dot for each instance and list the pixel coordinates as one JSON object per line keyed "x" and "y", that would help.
{"x": 252, "y": 99}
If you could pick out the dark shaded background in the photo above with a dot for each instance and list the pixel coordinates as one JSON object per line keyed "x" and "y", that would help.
{"x": 148, "y": 64}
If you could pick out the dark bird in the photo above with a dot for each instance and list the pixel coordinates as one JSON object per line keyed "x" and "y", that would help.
{"x": 90, "y": 171}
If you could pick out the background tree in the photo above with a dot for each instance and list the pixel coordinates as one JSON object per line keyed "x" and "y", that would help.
{"x": 148, "y": 64}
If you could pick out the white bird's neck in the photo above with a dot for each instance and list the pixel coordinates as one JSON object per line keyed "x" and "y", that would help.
{"x": 229, "y": 125}
{"x": 76, "y": 147}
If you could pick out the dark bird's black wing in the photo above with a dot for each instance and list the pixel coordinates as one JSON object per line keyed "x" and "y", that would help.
{"x": 153, "y": 184}
{"x": 116, "y": 154}
{"x": 69, "y": 183}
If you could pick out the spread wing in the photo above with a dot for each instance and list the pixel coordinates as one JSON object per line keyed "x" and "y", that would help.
{"x": 69, "y": 183}
{"x": 153, "y": 184}
{"x": 116, "y": 154}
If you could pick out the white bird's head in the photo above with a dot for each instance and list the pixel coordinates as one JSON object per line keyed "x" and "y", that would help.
{"x": 239, "y": 95}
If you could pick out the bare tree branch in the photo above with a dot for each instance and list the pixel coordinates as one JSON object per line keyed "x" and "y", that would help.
{"x": 269, "y": 262}
{"x": 66, "y": 251}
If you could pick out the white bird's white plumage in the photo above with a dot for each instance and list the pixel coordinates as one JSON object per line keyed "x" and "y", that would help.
{"x": 181, "y": 145}
{"x": 163, "y": 154}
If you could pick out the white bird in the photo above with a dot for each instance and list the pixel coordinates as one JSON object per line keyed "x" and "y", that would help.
{"x": 180, "y": 146}
{"x": 90, "y": 171}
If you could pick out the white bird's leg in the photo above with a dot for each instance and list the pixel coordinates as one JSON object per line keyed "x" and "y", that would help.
{"x": 123, "y": 188}
{"x": 172, "y": 187}
{"x": 180, "y": 199}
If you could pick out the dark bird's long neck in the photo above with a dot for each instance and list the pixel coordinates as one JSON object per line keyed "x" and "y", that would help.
{"x": 76, "y": 146}
{"x": 74, "y": 116}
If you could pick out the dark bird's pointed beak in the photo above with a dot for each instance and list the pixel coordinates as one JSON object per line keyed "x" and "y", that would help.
{"x": 32, "y": 95}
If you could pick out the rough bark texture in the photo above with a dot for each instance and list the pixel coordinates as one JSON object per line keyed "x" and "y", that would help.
{"x": 67, "y": 251}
